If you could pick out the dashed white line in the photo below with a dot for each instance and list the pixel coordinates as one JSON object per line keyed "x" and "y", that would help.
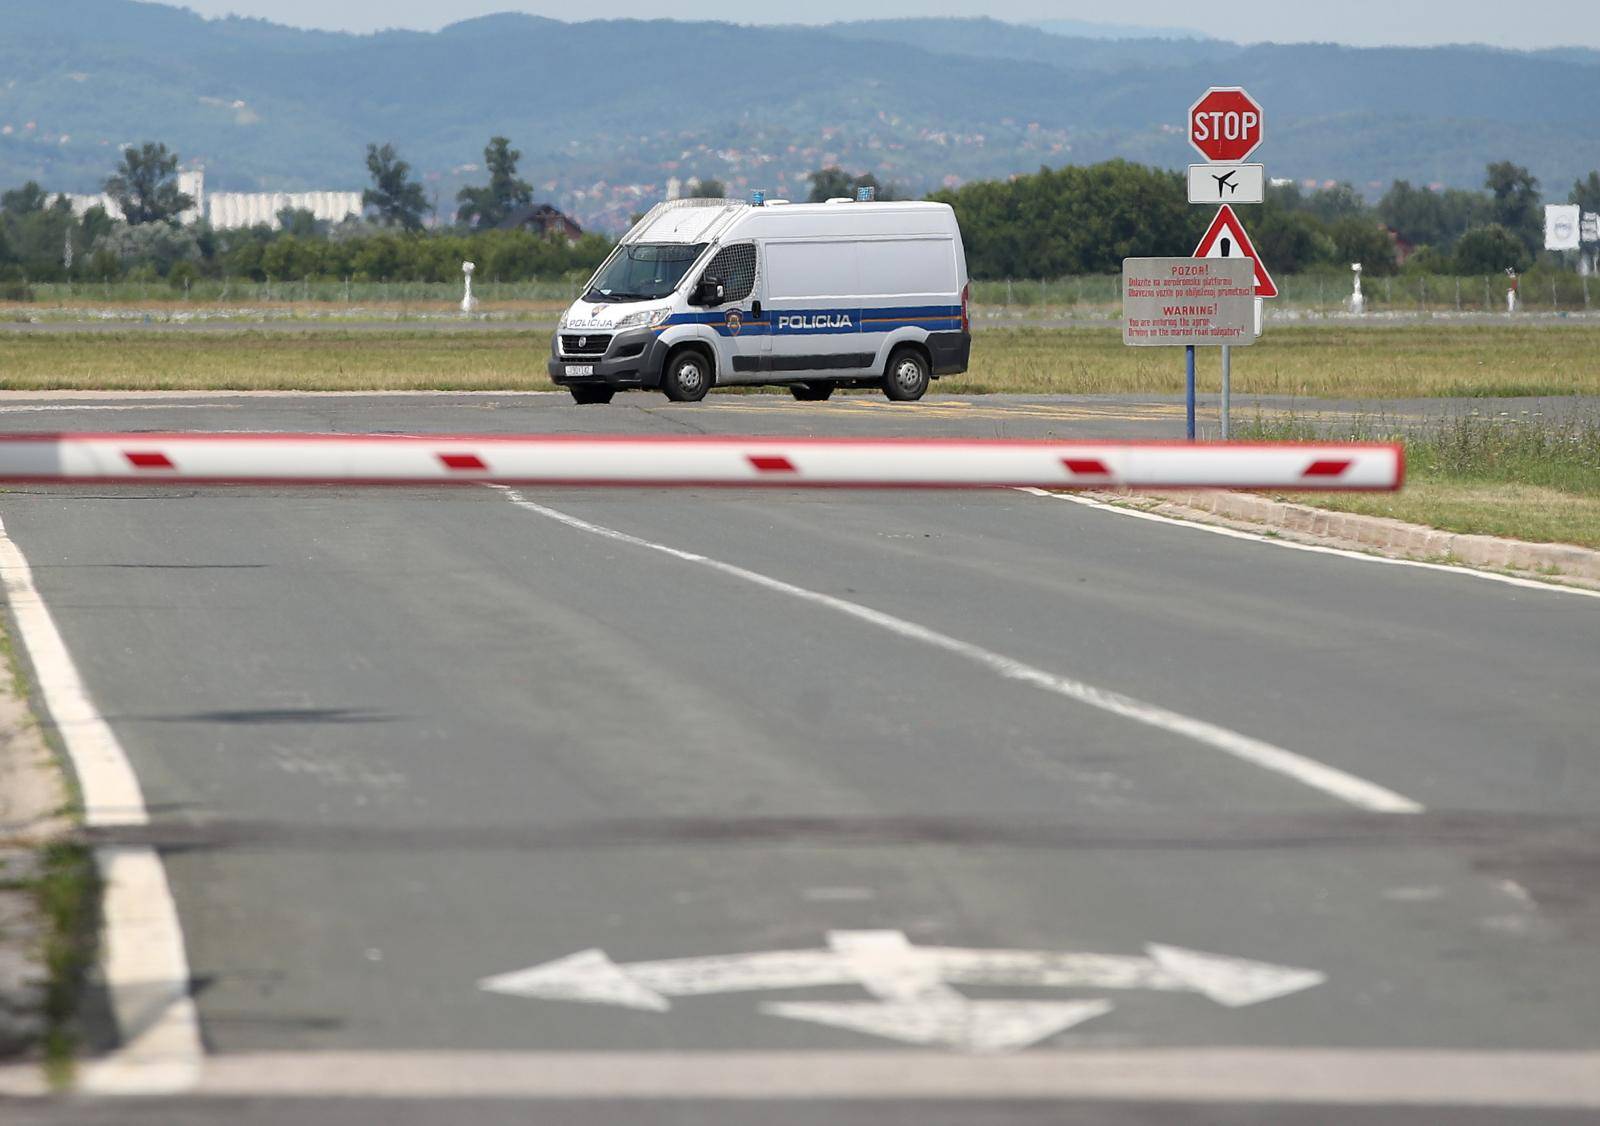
{"x": 145, "y": 968}
{"x": 1308, "y": 771}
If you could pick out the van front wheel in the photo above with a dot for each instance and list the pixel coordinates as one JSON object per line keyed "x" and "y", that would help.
{"x": 687, "y": 377}
{"x": 907, "y": 378}
{"x": 811, "y": 392}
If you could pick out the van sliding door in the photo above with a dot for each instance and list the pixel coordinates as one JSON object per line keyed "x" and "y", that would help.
{"x": 814, "y": 291}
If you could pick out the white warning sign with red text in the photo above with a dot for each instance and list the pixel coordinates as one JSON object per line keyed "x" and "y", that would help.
{"x": 1187, "y": 302}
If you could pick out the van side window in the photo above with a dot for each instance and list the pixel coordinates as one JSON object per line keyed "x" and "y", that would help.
{"x": 735, "y": 267}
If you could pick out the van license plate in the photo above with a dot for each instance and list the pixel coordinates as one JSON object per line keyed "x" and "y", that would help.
{"x": 579, "y": 369}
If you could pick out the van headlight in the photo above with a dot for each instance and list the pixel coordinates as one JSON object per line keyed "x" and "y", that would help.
{"x": 647, "y": 318}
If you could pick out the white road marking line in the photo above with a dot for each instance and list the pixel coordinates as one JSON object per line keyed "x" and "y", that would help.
{"x": 76, "y": 407}
{"x": 1307, "y": 771}
{"x": 145, "y": 968}
{"x": 839, "y": 894}
{"x": 1343, "y": 553}
{"x": 1316, "y": 1076}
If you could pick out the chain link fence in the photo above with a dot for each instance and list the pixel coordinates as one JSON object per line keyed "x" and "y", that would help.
{"x": 1538, "y": 291}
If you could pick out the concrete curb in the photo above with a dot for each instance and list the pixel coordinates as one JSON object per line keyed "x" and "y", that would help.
{"x": 32, "y": 797}
{"x": 1381, "y": 534}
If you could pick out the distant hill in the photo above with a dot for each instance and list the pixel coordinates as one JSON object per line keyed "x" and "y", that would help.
{"x": 604, "y": 112}
{"x": 1087, "y": 29}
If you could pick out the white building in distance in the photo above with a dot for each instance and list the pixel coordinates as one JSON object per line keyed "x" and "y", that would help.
{"x": 228, "y": 210}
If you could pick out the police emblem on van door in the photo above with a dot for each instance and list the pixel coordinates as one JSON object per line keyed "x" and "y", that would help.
{"x": 734, "y": 322}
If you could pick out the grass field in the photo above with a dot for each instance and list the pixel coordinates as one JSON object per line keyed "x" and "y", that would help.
{"x": 1404, "y": 361}
{"x": 1528, "y": 476}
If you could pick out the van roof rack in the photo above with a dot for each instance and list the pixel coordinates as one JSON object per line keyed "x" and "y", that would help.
{"x": 701, "y": 201}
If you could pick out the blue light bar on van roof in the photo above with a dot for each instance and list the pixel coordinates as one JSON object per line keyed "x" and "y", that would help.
{"x": 866, "y": 195}
{"x": 758, "y": 198}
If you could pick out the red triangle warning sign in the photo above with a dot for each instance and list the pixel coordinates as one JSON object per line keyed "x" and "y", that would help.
{"x": 1226, "y": 238}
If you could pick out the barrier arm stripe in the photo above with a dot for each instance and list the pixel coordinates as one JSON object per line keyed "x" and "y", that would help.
{"x": 419, "y": 459}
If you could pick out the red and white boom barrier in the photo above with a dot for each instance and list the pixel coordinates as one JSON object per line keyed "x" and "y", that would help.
{"x": 420, "y": 459}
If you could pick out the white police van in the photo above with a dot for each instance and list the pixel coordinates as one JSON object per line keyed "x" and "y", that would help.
{"x": 713, "y": 292}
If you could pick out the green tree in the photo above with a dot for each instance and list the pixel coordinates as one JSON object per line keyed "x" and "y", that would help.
{"x": 836, "y": 183}
{"x": 145, "y": 185}
{"x": 829, "y": 183}
{"x": 1516, "y": 202}
{"x": 38, "y": 233}
{"x": 708, "y": 189}
{"x": 150, "y": 247}
{"x": 488, "y": 206}
{"x": 25, "y": 200}
{"x": 1428, "y": 218}
{"x": 1586, "y": 193}
{"x": 95, "y": 222}
{"x": 1489, "y": 250}
{"x": 1072, "y": 220}
{"x": 1292, "y": 240}
{"x": 301, "y": 223}
{"x": 398, "y": 200}
{"x": 1327, "y": 204}
{"x": 1366, "y": 241}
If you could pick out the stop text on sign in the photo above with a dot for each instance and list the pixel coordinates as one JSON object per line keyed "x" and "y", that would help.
{"x": 1226, "y": 124}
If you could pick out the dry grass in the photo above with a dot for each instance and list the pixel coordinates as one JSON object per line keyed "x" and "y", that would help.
{"x": 1408, "y": 361}
{"x": 329, "y": 360}
{"x": 1524, "y": 512}
{"x": 1530, "y": 476}
{"x": 1412, "y": 361}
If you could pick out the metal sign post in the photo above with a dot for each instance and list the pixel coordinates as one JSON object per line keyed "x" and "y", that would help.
{"x": 1227, "y": 389}
{"x": 1188, "y": 385}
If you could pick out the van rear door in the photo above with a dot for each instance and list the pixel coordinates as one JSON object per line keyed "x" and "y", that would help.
{"x": 911, "y": 283}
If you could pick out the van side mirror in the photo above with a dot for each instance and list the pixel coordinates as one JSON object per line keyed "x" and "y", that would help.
{"x": 708, "y": 292}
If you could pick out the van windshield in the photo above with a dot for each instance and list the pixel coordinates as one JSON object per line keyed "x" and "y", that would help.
{"x": 643, "y": 271}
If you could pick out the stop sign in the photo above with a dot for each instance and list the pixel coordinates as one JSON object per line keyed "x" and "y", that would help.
{"x": 1225, "y": 124}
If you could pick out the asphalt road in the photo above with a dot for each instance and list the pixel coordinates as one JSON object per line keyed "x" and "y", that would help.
{"x": 397, "y": 741}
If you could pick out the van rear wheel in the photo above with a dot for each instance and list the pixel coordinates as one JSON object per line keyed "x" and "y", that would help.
{"x": 811, "y": 392}
{"x": 907, "y": 378}
{"x": 590, "y": 393}
{"x": 687, "y": 377}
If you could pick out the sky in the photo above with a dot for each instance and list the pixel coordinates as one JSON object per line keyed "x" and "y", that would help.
{"x": 1547, "y": 23}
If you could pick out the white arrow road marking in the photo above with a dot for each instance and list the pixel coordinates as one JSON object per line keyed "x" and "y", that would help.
{"x": 888, "y": 966}
{"x": 912, "y": 984}
{"x": 973, "y": 1026}
{"x": 1234, "y": 982}
{"x": 588, "y": 975}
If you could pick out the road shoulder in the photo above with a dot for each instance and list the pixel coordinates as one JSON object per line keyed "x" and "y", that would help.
{"x": 34, "y": 861}
{"x": 1556, "y": 563}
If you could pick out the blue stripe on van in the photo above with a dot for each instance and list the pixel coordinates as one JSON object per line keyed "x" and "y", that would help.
{"x": 814, "y": 322}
